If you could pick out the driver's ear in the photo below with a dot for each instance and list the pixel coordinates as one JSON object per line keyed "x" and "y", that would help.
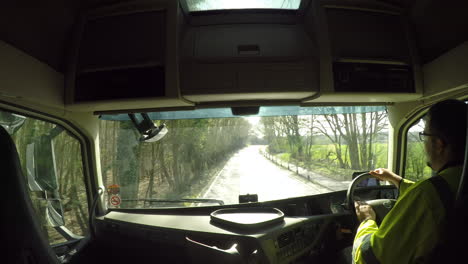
{"x": 439, "y": 145}
{"x": 357, "y": 205}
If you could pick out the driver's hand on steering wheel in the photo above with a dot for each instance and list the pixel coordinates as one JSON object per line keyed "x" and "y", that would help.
{"x": 364, "y": 211}
{"x": 386, "y": 175}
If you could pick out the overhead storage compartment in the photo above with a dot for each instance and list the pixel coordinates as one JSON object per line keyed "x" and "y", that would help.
{"x": 248, "y": 62}
{"x": 126, "y": 54}
{"x": 228, "y": 41}
{"x": 249, "y": 81}
{"x": 367, "y": 35}
{"x": 368, "y": 54}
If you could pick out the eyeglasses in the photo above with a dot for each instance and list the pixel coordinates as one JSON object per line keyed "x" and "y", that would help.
{"x": 423, "y": 135}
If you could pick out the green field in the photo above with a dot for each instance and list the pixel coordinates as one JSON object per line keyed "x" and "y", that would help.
{"x": 323, "y": 160}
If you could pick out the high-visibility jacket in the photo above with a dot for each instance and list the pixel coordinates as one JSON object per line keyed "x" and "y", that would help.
{"x": 411, "y": 229}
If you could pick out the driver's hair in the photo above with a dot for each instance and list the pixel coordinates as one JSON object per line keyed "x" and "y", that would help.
{"x": 447, "y": 120}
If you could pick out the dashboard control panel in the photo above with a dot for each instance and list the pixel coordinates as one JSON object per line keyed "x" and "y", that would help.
{"x": 296, "y": 241}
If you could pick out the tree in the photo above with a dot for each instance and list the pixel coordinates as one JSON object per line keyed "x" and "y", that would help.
{"x": 290, "y": 127}
{"x": 170, "y": 168}
{"x": 127, "y": 163}
{"x": 332, "y": 123}
{"x": 359, "y": 131}
{"x": 309, "y": 141}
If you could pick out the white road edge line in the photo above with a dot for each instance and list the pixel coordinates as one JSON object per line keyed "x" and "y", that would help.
{"x": 215, "y": 179}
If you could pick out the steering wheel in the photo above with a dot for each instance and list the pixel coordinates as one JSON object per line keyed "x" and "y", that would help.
{"x": 380, "y": 206}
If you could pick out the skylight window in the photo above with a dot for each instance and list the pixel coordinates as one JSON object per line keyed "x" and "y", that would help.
{"x": 205, "y": 5}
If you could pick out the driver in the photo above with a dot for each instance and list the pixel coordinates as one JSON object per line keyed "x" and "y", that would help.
{"x": 412, "y": 229}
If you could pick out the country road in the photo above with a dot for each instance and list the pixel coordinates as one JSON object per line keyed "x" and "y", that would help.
{"x": 248, "y": 172}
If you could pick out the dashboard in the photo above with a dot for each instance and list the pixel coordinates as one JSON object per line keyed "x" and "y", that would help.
{"x": 311, "y": 226}
{"x": 277, "y": 243}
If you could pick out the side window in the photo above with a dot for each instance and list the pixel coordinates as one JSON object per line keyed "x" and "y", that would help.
{"x": 51, "y": 162}
{"x": 416, "y": 168}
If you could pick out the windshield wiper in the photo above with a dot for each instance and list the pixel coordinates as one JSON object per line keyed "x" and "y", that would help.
{"x": 183, "y": 200}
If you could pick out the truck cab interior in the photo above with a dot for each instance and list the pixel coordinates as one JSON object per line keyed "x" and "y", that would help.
{"x": 215, "y": 131}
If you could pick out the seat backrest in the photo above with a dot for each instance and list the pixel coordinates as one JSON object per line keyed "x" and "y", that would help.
{"x": 454, "y": 245}
{"x": 21, "y": 233}
{"x": 457, "y": 230}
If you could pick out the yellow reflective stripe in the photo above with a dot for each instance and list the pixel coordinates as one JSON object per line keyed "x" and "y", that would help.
{"x": 367, "y": 252}
{"x": 366, "y": 230}
{"x": 357, "y": 243}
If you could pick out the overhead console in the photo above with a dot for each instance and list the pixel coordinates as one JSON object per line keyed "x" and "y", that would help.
{"x": 248, "y": 62}
{"x": 335, "y": 51}
{"x": 125, "y": 54}
{"x": 367, "y": 53}
{"x": 153, "y": 54}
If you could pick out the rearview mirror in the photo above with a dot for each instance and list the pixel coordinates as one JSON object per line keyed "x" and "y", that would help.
{"x": 149, "y": 132}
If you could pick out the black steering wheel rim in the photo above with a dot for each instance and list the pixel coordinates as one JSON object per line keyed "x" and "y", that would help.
{"x": 381, "y": 207}
{"x": 350, "y": 192}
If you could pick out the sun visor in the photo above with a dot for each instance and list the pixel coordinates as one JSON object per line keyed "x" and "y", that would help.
{"x": 264, "y": 111}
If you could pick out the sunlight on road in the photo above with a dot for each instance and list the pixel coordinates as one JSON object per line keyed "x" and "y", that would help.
{"x": 248, "y": 172}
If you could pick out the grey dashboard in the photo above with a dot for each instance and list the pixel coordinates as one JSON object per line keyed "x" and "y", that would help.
{"x": 311, "y": 225}
{"x": 278, "y": 243}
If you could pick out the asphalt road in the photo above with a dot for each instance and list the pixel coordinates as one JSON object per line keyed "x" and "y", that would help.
{"x": 248, "y": 172}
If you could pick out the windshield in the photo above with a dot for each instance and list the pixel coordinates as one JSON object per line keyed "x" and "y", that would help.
{"x": 206, "y": 159}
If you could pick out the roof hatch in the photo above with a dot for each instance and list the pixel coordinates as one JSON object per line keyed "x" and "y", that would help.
{"x": 207, "y": 5}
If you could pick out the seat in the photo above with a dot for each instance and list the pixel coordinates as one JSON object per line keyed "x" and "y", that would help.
{"x": 21, "y": 233}
{"x": 454, "y": 245}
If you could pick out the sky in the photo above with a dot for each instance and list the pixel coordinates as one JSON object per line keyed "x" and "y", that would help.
{"x": 255, "y": 122}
